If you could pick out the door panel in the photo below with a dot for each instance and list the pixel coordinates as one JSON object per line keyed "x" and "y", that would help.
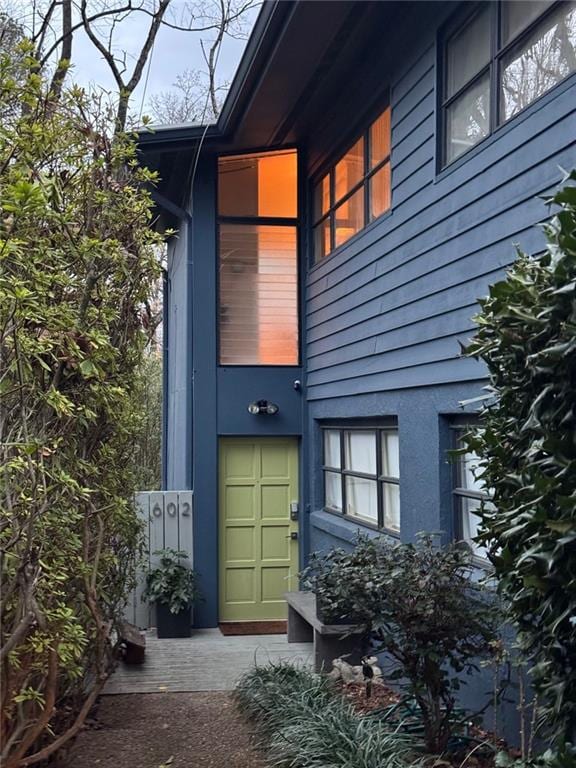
{"x": 258, "y": 557}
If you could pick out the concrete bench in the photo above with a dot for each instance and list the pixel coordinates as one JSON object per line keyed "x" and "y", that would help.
{"x": 330, "y": 640}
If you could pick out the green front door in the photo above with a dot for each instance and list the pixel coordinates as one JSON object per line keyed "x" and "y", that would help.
{"x": 258, "y": 554}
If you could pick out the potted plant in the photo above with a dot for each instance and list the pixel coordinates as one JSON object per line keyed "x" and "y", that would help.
{"x": 172, "y": 587}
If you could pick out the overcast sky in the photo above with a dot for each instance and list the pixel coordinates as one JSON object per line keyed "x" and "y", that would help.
{"x": 173, "y": 52}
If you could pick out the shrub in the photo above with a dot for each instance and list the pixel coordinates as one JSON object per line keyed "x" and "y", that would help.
{"x": 304, "y": 723}
{"x": 424, "y": 609}
{"x": 345, "y": 582}
{"x": 77, "y": 264}
{"x": 527, "y": 442}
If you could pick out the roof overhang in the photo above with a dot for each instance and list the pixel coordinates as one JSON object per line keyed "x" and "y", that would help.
{"x": 294, "y": 48}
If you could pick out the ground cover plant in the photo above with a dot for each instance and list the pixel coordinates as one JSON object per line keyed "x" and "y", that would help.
{"x": 527, "y": 444}
{"x": 422, "y": 607}
{"x": 77, "y": 265}
{"x": 303, "y": 722}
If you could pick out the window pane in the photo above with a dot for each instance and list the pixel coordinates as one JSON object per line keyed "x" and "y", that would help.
{"x": 333, "y": 491}
{"x": 391, "y": 496}
{"x": 362, "y": 498}
{"x": 517, "y": 15}
{"x": 322, "y": 197}
{"x": 349, "y": 217}
{"x": 350, "y": 170}
{"x": 380, "y": 192}
{"x": 258, "y": 295}
{"x": 467, "y": 52}
{"x": 332, "y": 448}
{"x": 380, "y": 138}
{"x": 360, "y": 452}
{"x": 470, "y": 521}
{"x": 544, "y": 58}
{"x": 258, "y": 185}
{"x": 390, "y": 454}
{"x": 468, "y": 119}
{"x": 468, "y": 473}
{"x": 322, "y": 240}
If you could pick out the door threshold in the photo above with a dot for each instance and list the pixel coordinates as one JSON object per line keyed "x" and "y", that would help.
{"x": 230, "y": 628}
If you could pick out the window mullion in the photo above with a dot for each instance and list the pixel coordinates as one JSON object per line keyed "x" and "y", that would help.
{"x": 495, "y": 66}
{"x": 379, "y": 486}
{"x": 367, "y": 151}
{"x": 332, "y": 216}
{"x": 342, "y": 475}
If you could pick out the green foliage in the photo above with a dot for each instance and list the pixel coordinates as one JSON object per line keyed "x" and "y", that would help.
{"x": 172, "y": 583}
{"x": 77, "y": 264}
{"x": 527, "y": 442}
{"x": 423, "y": 608}
{"x": 147, "y": 456}
{"x": 549, "y": 759}
{"x": 345, "y": 581}
{"x": 304, "y": 723}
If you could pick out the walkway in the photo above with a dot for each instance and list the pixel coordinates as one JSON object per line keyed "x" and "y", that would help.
{"x": 207, "y": 661}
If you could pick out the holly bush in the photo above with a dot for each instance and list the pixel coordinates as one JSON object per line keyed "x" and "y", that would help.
{"x": 422, "y": 606}
{"x": 78, "y": 260}
{"x": 527, "y": 441}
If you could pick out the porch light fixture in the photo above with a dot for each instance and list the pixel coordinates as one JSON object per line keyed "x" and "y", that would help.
{"x": 263, "y": 407}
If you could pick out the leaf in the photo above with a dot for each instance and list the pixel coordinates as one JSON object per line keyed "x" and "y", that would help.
{"x": 87, "y": 368}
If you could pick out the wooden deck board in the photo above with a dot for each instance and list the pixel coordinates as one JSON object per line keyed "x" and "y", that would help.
{"x": 207, "y": 661}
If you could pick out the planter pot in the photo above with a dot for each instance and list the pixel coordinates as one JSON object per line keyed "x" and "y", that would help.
{"x": 173, "y": 624}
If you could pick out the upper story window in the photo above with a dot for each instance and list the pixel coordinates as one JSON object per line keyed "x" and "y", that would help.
{"x": 355, "y": 191}
{"x": 258, "y": 259}
{"x": 362, "y": 475}
{"x": 499, "y": 61}
{"x": 469, "y": 494}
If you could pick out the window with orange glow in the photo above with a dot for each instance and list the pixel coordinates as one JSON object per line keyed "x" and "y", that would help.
{"x": 356, "y": 189}
{"x": 258, "y": 259}
{"x": 258, "y": 185}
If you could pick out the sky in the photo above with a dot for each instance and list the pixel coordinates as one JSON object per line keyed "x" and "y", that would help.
{"x": 174, "y": 51}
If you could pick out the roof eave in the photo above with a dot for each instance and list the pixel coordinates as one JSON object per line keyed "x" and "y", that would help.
{"x": 155, "y": 137}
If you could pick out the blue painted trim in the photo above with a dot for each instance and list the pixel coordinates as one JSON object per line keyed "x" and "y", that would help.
{"x": 343, "y": 528}
{"x": 204, "y": 382}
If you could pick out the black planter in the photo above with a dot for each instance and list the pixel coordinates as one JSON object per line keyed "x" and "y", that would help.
{"x": 173, "y": 624}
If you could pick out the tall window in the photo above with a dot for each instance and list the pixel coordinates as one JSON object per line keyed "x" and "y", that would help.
{"x": 258, "y": 265}
{"x": 469, "y": 493}
{"x": 362, "y": 475}
{"x": 355, "y": 190}
{"x": 498, "y": 61}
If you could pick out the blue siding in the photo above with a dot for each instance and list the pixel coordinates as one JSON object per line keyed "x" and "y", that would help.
{"x": 398, "y": 298}
{"x": 177, "y": 358}
{"x": 386, "y": 313}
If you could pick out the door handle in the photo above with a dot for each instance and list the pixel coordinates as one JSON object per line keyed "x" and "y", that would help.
{"x": 293, "y": 536}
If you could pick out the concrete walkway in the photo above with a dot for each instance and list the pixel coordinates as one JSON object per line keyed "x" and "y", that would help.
{"x": 207, "y": 661}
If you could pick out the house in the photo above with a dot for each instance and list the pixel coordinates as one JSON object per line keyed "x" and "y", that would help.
{"x": 371, "y": 169}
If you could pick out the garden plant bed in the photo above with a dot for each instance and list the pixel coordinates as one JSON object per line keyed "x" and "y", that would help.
{"x": 383, "y": 696}
{"x": 306, "y": 720}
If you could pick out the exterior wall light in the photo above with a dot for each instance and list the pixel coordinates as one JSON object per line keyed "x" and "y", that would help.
{"x": 264, "y": 407}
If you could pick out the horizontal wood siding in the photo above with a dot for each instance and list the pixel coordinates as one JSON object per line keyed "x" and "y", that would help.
{"x": 388, "y": 310}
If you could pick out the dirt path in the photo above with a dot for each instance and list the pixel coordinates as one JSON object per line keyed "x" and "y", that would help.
{"x": 176, "y": 730}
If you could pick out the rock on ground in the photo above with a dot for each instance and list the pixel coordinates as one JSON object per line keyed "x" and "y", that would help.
{"x": 176, "y": 730}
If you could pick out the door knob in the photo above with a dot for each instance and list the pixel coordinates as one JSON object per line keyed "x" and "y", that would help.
{"x": 293, "y": 536}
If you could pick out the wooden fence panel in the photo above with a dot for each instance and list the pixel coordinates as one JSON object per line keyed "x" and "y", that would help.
{"x": 167, "y": 519}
